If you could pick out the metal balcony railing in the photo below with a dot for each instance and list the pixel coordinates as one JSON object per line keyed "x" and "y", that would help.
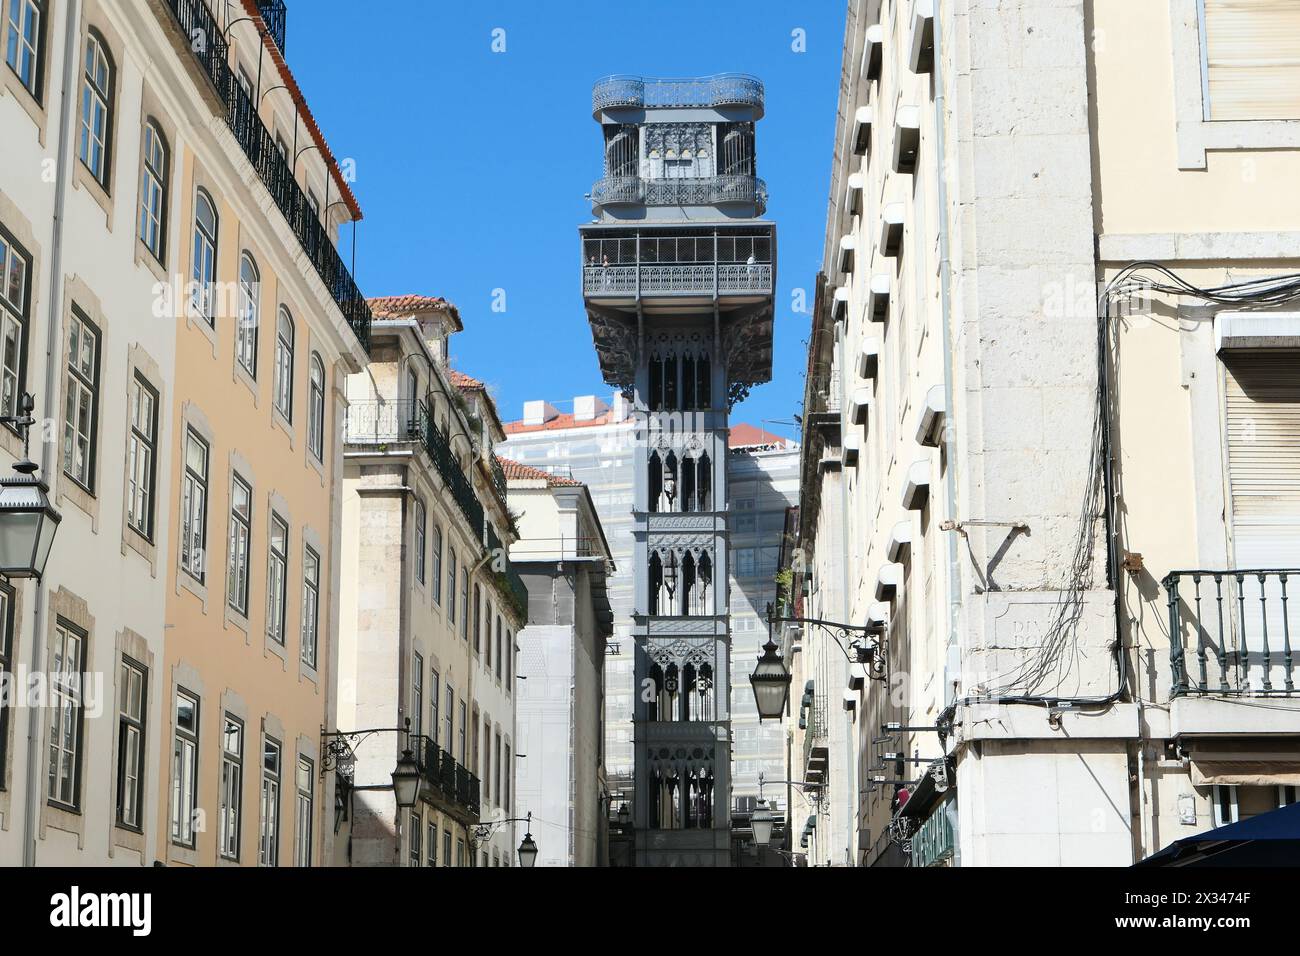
{"x": 1230, "y": 632}
{"x": 210, "y": 48}
{"x": 442, "y": 773}
{"x": 814, "y": 738}
{"x": 508, "y": 582}
{"x": 724, "y": 89}
{"x": 275, "y": 17}
{"x": 709, "y": 191}
{"x": 378, "y": 423}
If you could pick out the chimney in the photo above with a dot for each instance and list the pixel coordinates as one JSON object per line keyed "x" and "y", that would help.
{"x": 620, "y": 408}
{"x": 587, "y": 407}
{"x": 539, "y": 413}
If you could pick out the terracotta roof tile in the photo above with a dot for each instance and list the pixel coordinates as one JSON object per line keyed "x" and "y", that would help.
{"x": 520, "y": 472}
{"x": 463, "y": 381}
{"x": 565, "y": 420}
{"x": 398, "y": 306}
{"x": 747, "y": 436}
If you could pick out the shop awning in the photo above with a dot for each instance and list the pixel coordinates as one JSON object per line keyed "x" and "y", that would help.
{"x": 1270, "y": 839}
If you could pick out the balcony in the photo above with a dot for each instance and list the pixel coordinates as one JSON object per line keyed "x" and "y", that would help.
{"x": 274, "y": 15}
{"x": 443, "y": 776}
{"x": 508, "y": 582}
{"x": 635, "y": 92}
{"x": 1230, "y": 632}
{"x": 705, "y": 263}
{"x": 707, "y": 191}
{"x": 815, "y": 749}
{"x": 195, "y": 20}
{"x": 378, "y": 424}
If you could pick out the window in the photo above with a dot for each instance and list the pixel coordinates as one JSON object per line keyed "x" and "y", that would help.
{"x": 284, "y": 364}
{"x": 241, "y": 516}
{"x": 472, "y": 764}
{"x": 185, "y": 767}
{"x": 310, "y": 605}
{"x": 417, "y": 695}
{"x": 25, "y": 40}
{"x": 435, "y": 579}
{"x": 67, "y": 658}
{"x": 419, "y": 540}
{"x": 460, "y": 853}
{"x": 15, "y": 265}
{"x": 416, "y": 829}
{"x": 153, "y": 191}
{"x": 194, "y": 506}
{"x": 82, "y": 402}
{"x": 434, "y": 726}
{"x": 478, "y": 618}
{"x": 316, "y": 409}
{"x": 451, "y": 717}
{"x": 6, "y": 668}
{"x": 446, "y": 847}
{"x": 96, "y": 108}
{"x": 250, "y": 291}
{"x": 431, "y": 845}
{"x": 230, "y": 810}
{"x": 487, "y": 636}
{"x": 464, "y": 737}
{"x": 1250, "y": 67}
{"x": 510, "y": 771}
{"x": 277, "y": 576}
{"x": 203, "y": 292}
{"x": 500, "y": 647}
{"x": 487, "y": 759}
{"x": 132, "y": 690}
{"x": 302, "y": 843}
{"x": 451, "y": 585}
{"x": 464, "y": 603}
{"x": 510, "y": 659}
{"x": 268, "y": 853}
{"x": 142, "y": 446}
{"x": 496, "y": 770}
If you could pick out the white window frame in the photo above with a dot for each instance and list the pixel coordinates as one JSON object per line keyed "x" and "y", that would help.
{"x": 316, "y": 409}
{"x": 305, "y": 773}
{"x": 24, "y": 41}
{"x": 66, "y": 684}
{"x": 421, "y": 522}
{"x": 194, "y": 509}
{"x": 132, "y": 713}
{"x": 239, "y": 550}
{"x": 81, "y": 411}
{"x": 284, "y": 342}
{"x": 142, "y": 450}
{"x": 246, "y": 325}
{"x": 97, "y": 77}
{"x": 153, "y": 191}
{"x": 204, "y": 270}
{"x": 277, "y": 580}
{"x": 309, "y": 652}
{"x": 268, "y": 848}
{"x": 231, "y": 798}
{"x": 185, "y": 768}
{"x": 14, "y": 304}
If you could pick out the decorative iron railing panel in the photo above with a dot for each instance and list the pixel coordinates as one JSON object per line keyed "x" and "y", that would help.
{"x": 725, "y": 89}
{"x": 621, "y": 281}
{"x": 275, "y": 17}
{"x": 212, "y": 51}
{"x": 506, "y": 578}
{"x": 710, "y": 191}
{"x": 1231, "y": 632}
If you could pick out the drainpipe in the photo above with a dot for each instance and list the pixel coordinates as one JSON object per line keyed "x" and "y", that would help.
{"x": 66, "y": 116}
{"x": 945, "y": 308}
{"x": 842, "y": 359}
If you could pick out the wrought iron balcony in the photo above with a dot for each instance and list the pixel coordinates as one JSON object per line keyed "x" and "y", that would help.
{"x": 444, "y": 775}
{"x": 815, "y": 751}
{"x": 1230, "y": 632}
{"x": 467, "y": 790}
{"x": 274, "y": 16}
{"x": 725, "y": 263}
{"x": 508, "y": 582}
{"x": 377, "y": 424}
{"x": 724, "y": 89}
{"x": 708, "y": 191}
{"x": 206, "y": 40}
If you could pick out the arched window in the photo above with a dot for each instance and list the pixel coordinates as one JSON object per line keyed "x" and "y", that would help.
{"x": 703, "y": 483}
{"x": 250, "y": 294}
{"x": 284, "y": 364}
{"x": 96, "y": 108}
{"x": 153, "y": 191}
{"x": 24, "y": 48}
{"x": 205, "y": 258}
{"x": 436, "y": 575}
{"x": 316, "y": 409}
{"x": 464, "y": 604}
{"x": 419, "y": 522}
{"x": 656, "y": 582}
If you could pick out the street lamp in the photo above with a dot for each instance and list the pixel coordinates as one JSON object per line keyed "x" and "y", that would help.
{"x": 28, "y": 521}
{"x": 624, "y": 814}
{"x": 528, "y": 848}
{"x": 771, "y": 682}
{"x": 406, "y": 780}
{"x": 760, "y": 821}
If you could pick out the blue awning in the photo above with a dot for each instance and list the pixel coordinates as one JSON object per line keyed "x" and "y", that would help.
{"x": 1269, "y": 839}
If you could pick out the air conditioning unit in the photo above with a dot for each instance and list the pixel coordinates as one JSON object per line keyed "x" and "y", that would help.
{"x": 920, "y": 52}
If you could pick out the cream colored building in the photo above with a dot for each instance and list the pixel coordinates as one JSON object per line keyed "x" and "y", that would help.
{"x": 1019, "y": 527}
{"x": 431, "y": 605}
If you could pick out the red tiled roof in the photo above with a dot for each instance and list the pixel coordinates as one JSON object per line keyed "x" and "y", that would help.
{"x": 291, "y": 84}
{"x": 565, "y": 420}
{"x": 397, "y": 306}
{"x": 746, "y": 436}
{"x": 519, "y": 472}
{"x": 463, "y": 381}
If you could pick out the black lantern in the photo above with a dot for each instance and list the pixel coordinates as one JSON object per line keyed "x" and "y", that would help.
{"x": 27, "y": 523}
{"x": 760, "y": 821}
{"x": 406, "y": 780}
{"x": 771, "y": 683}
{"x": 528, "y": 851}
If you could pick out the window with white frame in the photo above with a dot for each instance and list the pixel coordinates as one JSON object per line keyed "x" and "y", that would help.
{"x": 15, "y": 266}
{"x": 419, "y": 522}
{"x": 464, "y": 736}
{"x": 24, "y": 41}
{"x": 496, "y": 770}
{"x": 277, "y": 578}
{"x": 446, "y": 848}
{"x": 435, "y": 572}
{"x": 153, "y": 191}
{"x": 141, "y": 453}
{"x": 1250, "y": 59}
{"x": 316, "y": 409}
{"x": 464, "y": 603}
{"x": 415, "y": 827}
{"x": 284, "y": 333}
{"x": 417, "y": 695}
{"x": 203, "y": 297}
{"x": 81, "y": 411}
{"x": 268, "y": 852}
{"x": 238, "y": 554}
{"x": 505, "y": 784}
{"x": 451, "y": 717}
{"x": 132, "y": 693}
{"x": 500, "y": 647}
{"x": 67, "y": 664}
{"x": 310, "y": 606}
{"x": 231, "y": 798}
{"x": 185, "y": 769}
{"x": 451, "y": 585}
{"x": 434, "y": 690}
{"x": 478, "y": 618}
{"x": 302, "y": 855}
{"x": 431, "y": 844}
{"x": 250, "y": 292}
{"x": 96, "y": 108}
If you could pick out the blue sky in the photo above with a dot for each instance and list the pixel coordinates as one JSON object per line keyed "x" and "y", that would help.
{"x": 472, "y": 164}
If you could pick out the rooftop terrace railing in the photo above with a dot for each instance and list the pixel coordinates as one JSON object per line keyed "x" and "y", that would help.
{"x": 1231, "y": 632}
{"x": 724, "y": 89}
{"x": 706, "y": 191}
